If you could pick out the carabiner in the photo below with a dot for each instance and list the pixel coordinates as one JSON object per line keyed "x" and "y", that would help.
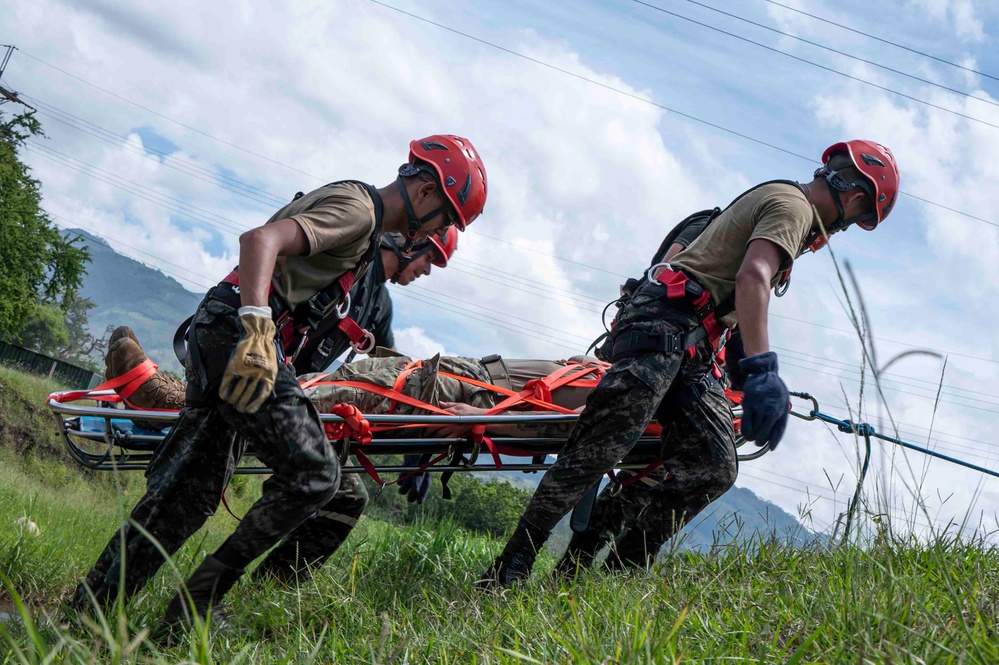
{"x": 648, "y": 273}
{"x": 364, "y": 345}
{"x": 343, "y": 309}
{"x": 815, "y": 406}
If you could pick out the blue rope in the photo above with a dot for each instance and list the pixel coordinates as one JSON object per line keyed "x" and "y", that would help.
{"x": 867, "y": 430}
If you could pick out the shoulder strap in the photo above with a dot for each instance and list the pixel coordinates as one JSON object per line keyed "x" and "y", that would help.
{"x": 690, "y": 220}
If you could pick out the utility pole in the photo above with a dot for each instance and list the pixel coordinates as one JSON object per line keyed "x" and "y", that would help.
{"x": 7, "y": 94}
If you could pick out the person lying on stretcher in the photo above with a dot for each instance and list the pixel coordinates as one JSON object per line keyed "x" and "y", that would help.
{"x": 457, "y": 385}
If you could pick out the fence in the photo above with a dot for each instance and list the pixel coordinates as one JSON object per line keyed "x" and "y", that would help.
{"x": 29, "y": 361}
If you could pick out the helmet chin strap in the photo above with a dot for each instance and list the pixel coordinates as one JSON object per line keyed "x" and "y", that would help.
{"x": 414, "y": 222}
{"x": 402, "y": 258}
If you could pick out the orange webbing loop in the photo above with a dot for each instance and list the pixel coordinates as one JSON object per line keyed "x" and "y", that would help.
{"x": 128, "y": 383}
{"x": 400, "y": 380}
{"x": 314, "y": 380}
{"x": 354, "y": 426}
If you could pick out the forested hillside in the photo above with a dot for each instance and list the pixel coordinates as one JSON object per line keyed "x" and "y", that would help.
{"x": 130, "y": 293}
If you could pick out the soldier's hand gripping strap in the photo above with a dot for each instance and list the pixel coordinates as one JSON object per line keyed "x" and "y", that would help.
{"x": 249, "y": 377}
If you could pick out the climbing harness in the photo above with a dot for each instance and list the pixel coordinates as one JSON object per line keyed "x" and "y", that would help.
{"x": 295, "y": 325}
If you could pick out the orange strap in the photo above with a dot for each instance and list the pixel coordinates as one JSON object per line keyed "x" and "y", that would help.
{"x": 128, "y": 382}
{"x": 400, "y": 380}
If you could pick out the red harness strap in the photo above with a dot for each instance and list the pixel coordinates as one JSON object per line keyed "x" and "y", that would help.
{"x": 293, "y": 338}
{"x": 676, "y": 287}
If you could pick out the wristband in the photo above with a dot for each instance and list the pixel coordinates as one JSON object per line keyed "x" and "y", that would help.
{"x": 264, "y": 312}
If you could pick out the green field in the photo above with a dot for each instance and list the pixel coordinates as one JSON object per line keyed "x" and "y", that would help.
{"x": 402, "y": 593}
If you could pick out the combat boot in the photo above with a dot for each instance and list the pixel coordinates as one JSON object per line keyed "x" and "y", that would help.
{"x": 514, "y": 565}
{"x": 633, "y": 550}
{"x": 579, "y": 555}
{"x": 158, "y": 391}
{"x": 206, "y": 585}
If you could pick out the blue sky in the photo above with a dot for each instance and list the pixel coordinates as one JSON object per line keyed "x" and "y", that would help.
{"x": 320, "y": 91}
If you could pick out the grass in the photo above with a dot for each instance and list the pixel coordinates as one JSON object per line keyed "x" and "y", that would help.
{"x": 404, "y": 593}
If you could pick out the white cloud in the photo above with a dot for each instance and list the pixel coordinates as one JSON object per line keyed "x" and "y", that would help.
{"x": 416, "y": 343}
{"x": 959, "y": 13}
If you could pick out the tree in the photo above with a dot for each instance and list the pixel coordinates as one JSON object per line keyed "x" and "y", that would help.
{"x": 40, "y": 267}
{"x": 62, "y": 332}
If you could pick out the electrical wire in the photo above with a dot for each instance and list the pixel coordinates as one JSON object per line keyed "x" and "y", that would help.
{"x": 170, "y": 160}
{"x": 806, "y": 61}
{"x": 169, "y": 119}
{"x": 883, "y": 40}
{"x": 842, "y": 53}
{"x": 650, "y": 102}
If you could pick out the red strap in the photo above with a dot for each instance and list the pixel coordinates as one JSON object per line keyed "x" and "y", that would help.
{"x": 653, "y": 465}
{"x": 389, "y": 393}
{"x": 349, "y": 327}
{"x": 226, "y": 504}
{"x": 370, "y": 468}
{"x": 675, "y": 283}
{"x": 478, "y": 436}
{"x": 346, "y": 281}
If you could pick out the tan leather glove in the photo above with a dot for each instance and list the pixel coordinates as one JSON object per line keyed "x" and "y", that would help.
{"x": 249, "y": 377}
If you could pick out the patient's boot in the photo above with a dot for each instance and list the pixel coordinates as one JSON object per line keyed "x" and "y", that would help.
{"x": 159, "y": 391}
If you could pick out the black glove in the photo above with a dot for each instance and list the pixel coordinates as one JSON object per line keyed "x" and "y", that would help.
{"x": 765, "y": 401}
{"x": 415, "y": 487}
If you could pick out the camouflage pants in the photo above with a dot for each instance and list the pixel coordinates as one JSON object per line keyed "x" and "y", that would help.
{"x": 698, "y": 441}
{"x": 316, "y": 539}
{"x": 192, "y": 466}
{"x": 700, "y": 457}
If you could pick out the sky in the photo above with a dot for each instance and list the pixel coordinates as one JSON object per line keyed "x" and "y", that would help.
{"x": 173, "y": 127}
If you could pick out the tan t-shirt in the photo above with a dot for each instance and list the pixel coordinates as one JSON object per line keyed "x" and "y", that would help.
{"x": 776, "y": 212}
{"x": 338, "y": 220}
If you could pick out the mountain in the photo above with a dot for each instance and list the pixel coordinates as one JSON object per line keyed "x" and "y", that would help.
{"x": 130, "y": 293}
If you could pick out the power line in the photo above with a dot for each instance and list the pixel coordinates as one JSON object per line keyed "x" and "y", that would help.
{"x": 655, "y": 104}
{"x": 885, "y": 377}
{"x": 169, "y": 160}
{"x": 882, "y": 40}
{"x": 153, "y": 267}
{"x": 838, "y": 52}
{"x": 816, "y": 64}
{"x": 41, "y": 151}
{"x": 169, "y": 119}
{"x": 900, "y": 391}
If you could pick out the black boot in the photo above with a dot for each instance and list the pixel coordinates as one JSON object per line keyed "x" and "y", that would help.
{"x": 633, "y": 550}
{"x": 514, "y": 565}
{"x": 206, "y": 585}
{"x": 579, "y": 555}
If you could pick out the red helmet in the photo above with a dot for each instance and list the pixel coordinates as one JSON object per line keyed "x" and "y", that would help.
{"x": 446, "y": 246}
{"x": 877, "y": 165}
{"x": 459, "y": 170}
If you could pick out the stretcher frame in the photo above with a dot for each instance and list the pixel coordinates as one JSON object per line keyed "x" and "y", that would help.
{"x": 124, "y": 451}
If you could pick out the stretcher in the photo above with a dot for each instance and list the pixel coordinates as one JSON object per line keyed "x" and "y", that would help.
{"x": 100, "y": 436}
